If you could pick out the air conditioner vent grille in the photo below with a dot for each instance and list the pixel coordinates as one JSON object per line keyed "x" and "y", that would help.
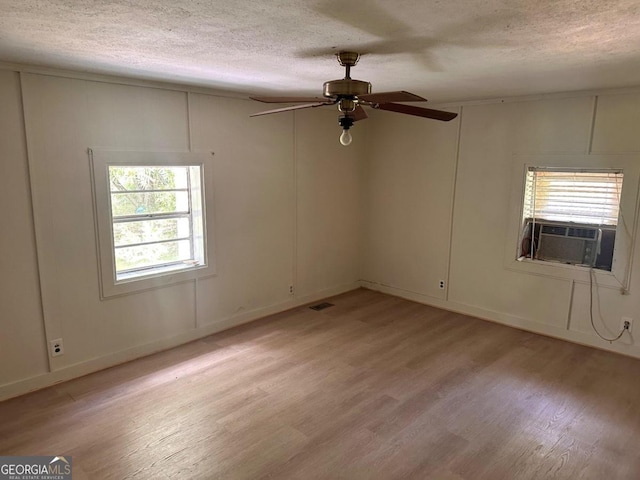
{"x": 590, "y": 233}
{"x": 572, "y": 244}
{"x": 554, "y": 230}
{"x": 574, "y": 232}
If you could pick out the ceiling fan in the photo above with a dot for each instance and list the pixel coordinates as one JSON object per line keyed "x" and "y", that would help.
{"x": 351, "y": 95}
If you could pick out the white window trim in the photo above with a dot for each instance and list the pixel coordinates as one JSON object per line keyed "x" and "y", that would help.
{"x": 619, "y": 276}
{"x": 100, "y": 161}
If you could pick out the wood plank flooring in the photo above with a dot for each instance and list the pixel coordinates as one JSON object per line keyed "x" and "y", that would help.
{"x": 375, "y": 387}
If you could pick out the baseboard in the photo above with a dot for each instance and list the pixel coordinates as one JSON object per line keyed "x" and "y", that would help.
{"x": 507, "y": 319}
{"x": 100, "y": 363}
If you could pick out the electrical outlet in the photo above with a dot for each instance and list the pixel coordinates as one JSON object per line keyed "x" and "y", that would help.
{"x": 57, "y": 348}
{"x": 626, "y": 321}
{"x": 290, "y": 289}
{"x": 441, "y": 284}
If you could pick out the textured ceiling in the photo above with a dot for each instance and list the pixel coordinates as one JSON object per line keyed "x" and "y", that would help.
{"x": 445, "y": 50}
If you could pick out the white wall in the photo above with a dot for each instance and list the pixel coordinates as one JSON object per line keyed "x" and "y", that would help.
{"x": 285, "y": 193}
{"x": 409, "y": 178}
{"x": 22, "y": 342}
{"x": 408, "y": 185}
{"x": 410, "y": 203}
{"x": 329, "y": 206}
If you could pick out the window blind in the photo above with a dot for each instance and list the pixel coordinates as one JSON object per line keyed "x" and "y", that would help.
{"x": 578, "y": 196}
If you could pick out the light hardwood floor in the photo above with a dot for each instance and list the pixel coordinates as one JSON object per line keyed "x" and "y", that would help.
{"x": 375, "y": 387}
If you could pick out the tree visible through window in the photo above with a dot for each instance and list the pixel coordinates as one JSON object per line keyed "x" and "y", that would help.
{"x": 157, "y": 220}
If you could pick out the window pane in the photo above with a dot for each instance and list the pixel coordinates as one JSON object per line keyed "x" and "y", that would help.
{"x": 147, "y": 178}
{"x": 142, "y": 231}
{"x": 123, "y": 204}
{"x": 144, "y": 256}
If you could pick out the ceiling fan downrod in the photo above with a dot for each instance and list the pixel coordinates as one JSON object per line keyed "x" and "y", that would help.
{"x": 348, "y": 60}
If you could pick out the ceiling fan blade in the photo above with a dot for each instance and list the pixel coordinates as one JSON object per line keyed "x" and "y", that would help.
{"x": 294, "y": 107}
{"x": 288, "y": 99}
{"x": 358, "y": 114}
{"x": 418, "y": 111}
{"x": 386, "y": 97}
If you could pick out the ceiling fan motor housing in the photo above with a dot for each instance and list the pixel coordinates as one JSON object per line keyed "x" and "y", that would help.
{"x": 345, "y": 88}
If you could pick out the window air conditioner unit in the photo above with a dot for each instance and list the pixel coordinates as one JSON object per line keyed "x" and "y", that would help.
{"x": 572, "y": 244}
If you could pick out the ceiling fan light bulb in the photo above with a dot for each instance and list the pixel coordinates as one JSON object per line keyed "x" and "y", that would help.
{"x": 345, "y": 138}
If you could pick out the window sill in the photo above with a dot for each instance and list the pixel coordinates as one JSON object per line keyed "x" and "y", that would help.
{"x": 154, "y": 280}
{"x": 155, "y": 272}
{"x": 563, "y": 271}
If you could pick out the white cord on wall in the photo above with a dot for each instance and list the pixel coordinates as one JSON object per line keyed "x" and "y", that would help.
{"x": 591, "y": 282}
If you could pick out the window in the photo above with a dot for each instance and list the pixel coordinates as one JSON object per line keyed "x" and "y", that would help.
{"x": 571, "y": 215}
{"x": 157, "y": 220}
{"x": 151, "y": 220}
{"x": 545, "y": 238}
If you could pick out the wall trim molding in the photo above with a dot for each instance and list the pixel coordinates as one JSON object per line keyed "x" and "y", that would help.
{"x": 509, "y": 320}
{"x": 596, "y": 92}
{"x": 93, "y": 365}
{"x": 122, "y": 80}
{"x": 221, "y": 92}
